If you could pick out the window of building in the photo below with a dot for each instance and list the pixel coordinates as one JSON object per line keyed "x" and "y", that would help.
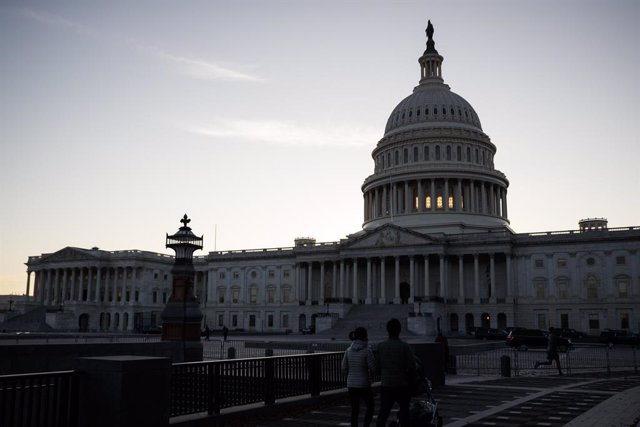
{"x": 621, "y": 260}
{"x": 622, "y": 284}
{"x": 562, "y": 263}
{"x": 253, "y": 294}
{"x": 439, "y": 204}
{"x": 458, "y": 153}
{"x": 415, "y": 154}
{"x": 448, "y": 152}
{"x": 542, "y": 321}
{"x": 137, "y": 296}
{"x": 450, "y": 202}
{"x": 428, "y": 202}
{"x": 437, "y": 152}
{"x": 234, "y": 320}
{"x": 594, "y": 321}
{"x": 564, "y": 320}
{"x": 155, "y": 276}
{"x": 271, "y": 294}
{"x": 164, "y": 297}
{"x": 477, "y": 156}
{"x": 221, "y": 275}
{"x": 416, "y": 203}
{"x": 166, "y": 276}
{"x": 539, "y": 286}
{"x": 221, "y": 292}
{"x": 252, "y": 320}
{"x": 397, "y": 155}
{"x": 220, "y": 319}
{"x": 405, "y": 156}
{"x": 154, "y": 297}
{"x": 591, "y": 261}
{"x": 236, "y": 274}
{"x": 468, "y": 154}
{"x": 285, "y": 320}
{"x": 272, "y": 274}
{"x": 539, "y": 263}
{"x": 270, "y": 320}
{"x": 592, "y": 287}
{"x": 235, "y": 295}
{"x": 563, "y": 287}
{"x": 253, "y": 274}
{"x": 426, "y": 153}
{"x": 624, "y": 320}
{"x": 127, "y": 296}
{"x": 285, "y": 273}
{"x": 286, "y": 294}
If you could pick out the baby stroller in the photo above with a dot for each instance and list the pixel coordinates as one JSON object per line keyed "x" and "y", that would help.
{"x": 423, "y": 410}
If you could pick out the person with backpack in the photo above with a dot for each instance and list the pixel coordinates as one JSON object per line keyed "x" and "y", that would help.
{"x": 552, "y": 351}
{"x": 397, "y": 366}
{"x": 358, "y": 364}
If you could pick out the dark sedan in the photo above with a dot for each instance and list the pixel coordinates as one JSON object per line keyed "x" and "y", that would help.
{"x": 619, "y": 336}
{"x": 523, "y": 339}
{"x": 490, "y": 334}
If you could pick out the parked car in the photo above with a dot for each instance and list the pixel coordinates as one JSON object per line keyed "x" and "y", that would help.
{"x": 471, "y": 330}
{"x": 308, "y": 330}
{"x": 491, "y": 334}
{"x": 523, "y": 339}
{"x": 619, "y": 336}
{"x": 572, "y": 333}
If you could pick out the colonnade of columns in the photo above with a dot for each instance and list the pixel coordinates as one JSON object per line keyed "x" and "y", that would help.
{"x": 379, "y": 280}
{"x": 115, "y": 285}
{"x": 435, "y": 195}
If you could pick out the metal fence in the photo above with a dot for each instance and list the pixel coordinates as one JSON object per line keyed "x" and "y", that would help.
{"x": 43, "y": 399}
{"x": 489, "y": 360}
{"x": 215, "y": 385}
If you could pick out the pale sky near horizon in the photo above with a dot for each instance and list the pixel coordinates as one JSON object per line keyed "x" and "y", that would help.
{"x": 258, "y": 118}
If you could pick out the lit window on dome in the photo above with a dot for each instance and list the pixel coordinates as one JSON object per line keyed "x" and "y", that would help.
{"x": 428, "y": 202}
{"x": 416, "y": 203}
{"x": 450, "y": 202}
{"x": 439, "y": 204}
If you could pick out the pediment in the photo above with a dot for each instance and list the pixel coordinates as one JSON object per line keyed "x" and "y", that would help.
{"x": 389, "y": 236}
{"x": 69, "y": 254}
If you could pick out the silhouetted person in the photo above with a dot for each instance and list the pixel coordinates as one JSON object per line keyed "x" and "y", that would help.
{"x": 225, "y": 332}
{"x": 396, "y": 364}
{"x": 445, "y": 344}
{"x": 207, "y": 332}
{"x": 358, "y": 364}
{"x": 552, "y": 351}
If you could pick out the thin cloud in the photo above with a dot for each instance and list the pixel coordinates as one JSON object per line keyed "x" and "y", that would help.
{"x": 287, "y": 133}
{"x": 194, "y": 68}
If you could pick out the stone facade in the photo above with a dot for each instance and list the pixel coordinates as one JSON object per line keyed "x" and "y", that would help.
{"x": 436, "y": 236}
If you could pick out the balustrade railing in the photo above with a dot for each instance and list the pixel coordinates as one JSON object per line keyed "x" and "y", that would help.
{"x": 42, "y": 399}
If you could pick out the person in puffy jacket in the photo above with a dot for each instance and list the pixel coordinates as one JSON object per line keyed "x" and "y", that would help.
{"x": 358, "y": 364}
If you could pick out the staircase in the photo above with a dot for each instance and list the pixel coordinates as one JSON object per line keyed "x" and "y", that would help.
{"x": 372, "y": 317}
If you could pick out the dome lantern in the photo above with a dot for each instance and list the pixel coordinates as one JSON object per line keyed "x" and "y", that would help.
{"x": 430, "y": 61}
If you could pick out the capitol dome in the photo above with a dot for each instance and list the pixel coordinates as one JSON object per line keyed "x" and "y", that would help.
{"x": 434, "y": 169}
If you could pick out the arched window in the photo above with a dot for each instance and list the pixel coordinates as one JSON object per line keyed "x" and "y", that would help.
{"x": 235, "y": 294}
{"x": 458, "y": 153}
{"x": 437, "y": 152}
{"x": 405, "y": 156}
{"x": 448, "y": 152}
{"x": 562, "y": 284}
{"x": 439, "y": 204}
{"x": 591, "y": 284}
{"x": 286, "y": 294}
{"x": 271, "y": 294}
{"x": 539, "y": 287}
{"x": 428, "y": 202}
{"x": 221, "y": 293}
{"x": 116, "y": 321}
{"x": 426, "y": 153}
{"x": 477, "y": 156}
{"x": 622, "y": 285}
{"x": 469, "y": 154}
{"x": 397, "y": 157}
{"x": 453, "y": 320}
{"x": 415, "y": 154}
{"x": 253, "y": 294}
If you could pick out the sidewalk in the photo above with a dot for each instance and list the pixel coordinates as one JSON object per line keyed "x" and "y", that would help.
{"x": 546, "y": 400}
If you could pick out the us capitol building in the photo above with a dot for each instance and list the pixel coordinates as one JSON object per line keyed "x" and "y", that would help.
{"x": 435, "y": 250}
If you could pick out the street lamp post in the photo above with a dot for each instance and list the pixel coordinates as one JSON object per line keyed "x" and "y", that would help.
{"x": 181, "y": 317}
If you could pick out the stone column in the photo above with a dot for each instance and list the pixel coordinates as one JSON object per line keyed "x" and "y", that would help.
{"x": 385, "y": 204}
{"x": 461, "y": 276}
{"x": 407, "y": 198}
{"x": 458, "y": 196}
{"x": 426, "y": 275}
{"x": 396, "y": 299}
{"x": 509, "y": 289}
{"x": 96, "y": 296}
{"x": 29, "y": 285}
{"x": 63, "y": 297}
{"x": 476, "y": 276}
{"x": 114, "y": 286}
{"x": 492, "y": 275}
{"x": 48, "y": 294}
{"x": 472, "y": 196}
{"x": 298, "y": 282}
{"x": 412, "y": 277}
{"x": 72, "y": 284}
{"x": 321, "y": 283}
{"x": 446, "y": 194}
{"x": 433, "y": 194}
{"x": 504, "y": 204}
{"x": 342, "y": 279}
{"x": 369, "y": 285}
{"x": 309, "y": 281}
{"x": 356, "y": 294}
{"x": 442, "y": 266}
{"x": 383, "y": 282}
{"x": 334, "y": 280}
{"x": 123, "y": 287}
{"x": 421, "y": 197}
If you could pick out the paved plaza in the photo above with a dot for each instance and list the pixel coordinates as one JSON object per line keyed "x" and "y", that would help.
{"x": 531, "y": 400}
